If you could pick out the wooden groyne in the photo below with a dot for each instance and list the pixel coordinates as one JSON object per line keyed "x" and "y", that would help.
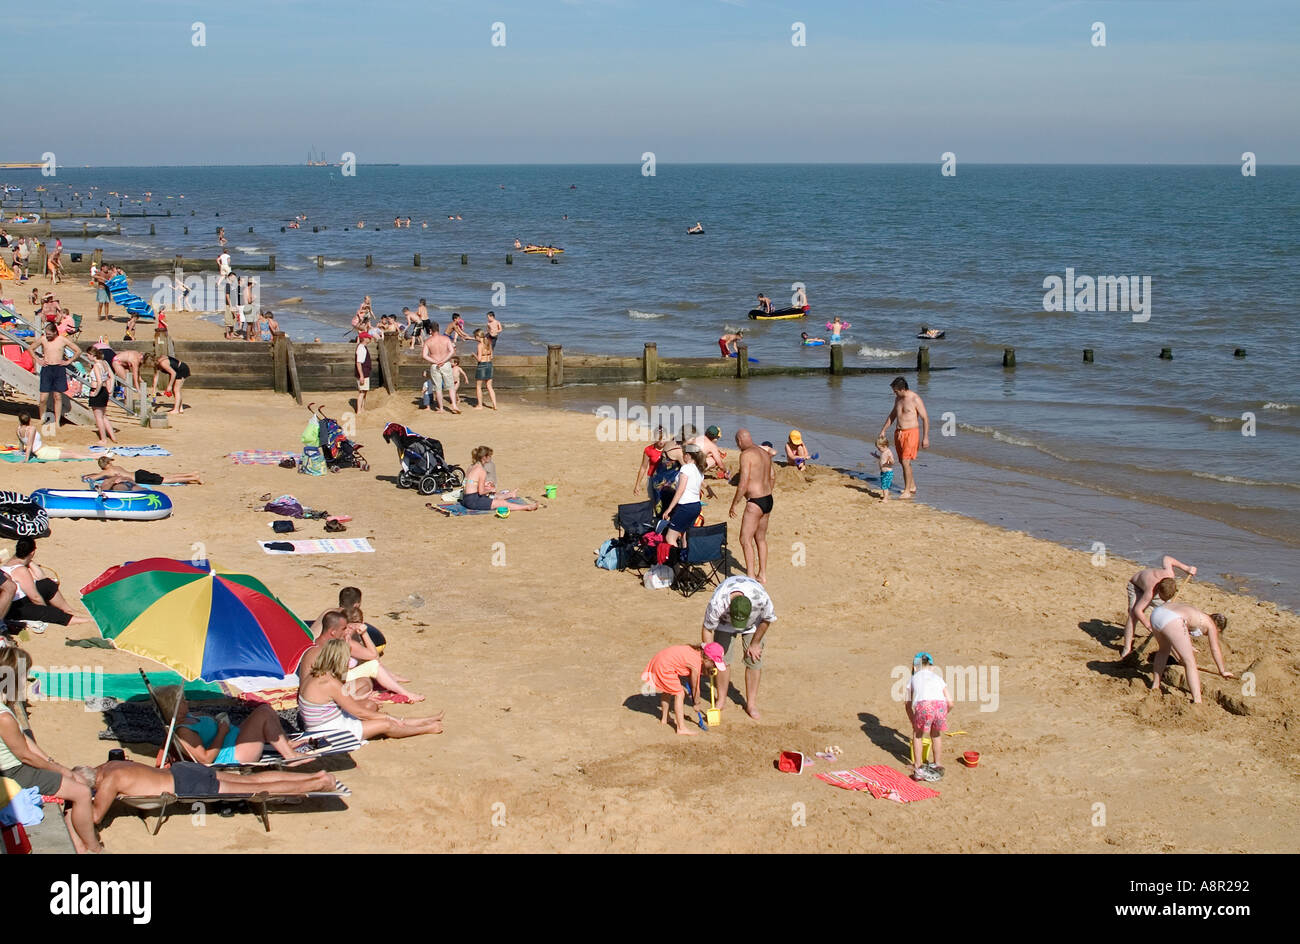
{"x": 290, "y": 367}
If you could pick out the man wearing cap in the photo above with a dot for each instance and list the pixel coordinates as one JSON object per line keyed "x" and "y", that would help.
{"x": 740, "y": 609}
{"x": 708, "y": 444}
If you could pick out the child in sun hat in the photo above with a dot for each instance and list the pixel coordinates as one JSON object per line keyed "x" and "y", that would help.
{"x": 666, "y": 671}
{"x": 927, "y": 702}
{"x": 796, "y": 453}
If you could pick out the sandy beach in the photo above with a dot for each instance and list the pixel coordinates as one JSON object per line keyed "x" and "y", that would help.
{"x": 535, "y": 655}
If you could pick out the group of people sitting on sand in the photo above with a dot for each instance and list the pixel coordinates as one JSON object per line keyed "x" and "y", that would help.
{"x": 341, "y": 683}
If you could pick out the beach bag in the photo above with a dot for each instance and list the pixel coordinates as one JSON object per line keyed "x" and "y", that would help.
{"x": 311, "y": 435}
{"x": 285, "y": 505}
{"x": 312, "y": 462}
{"x": 610, "y": 556}
{"x": 658, "y": 577}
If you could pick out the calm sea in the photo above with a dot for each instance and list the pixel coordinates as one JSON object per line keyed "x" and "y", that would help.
{"x": 1196, "y": 455}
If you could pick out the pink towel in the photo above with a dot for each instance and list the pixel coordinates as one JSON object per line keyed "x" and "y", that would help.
{"x": 881, "y": 781}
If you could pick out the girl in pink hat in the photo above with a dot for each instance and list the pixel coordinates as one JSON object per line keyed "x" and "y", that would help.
{"x": 666, "y": 671}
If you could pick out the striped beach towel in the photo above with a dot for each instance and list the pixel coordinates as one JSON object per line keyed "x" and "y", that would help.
{"x": 881, "y": 781}
{"x": 132, "y": 450}
{"x": 135, "y": 306}
{"x": 321, "y": 546}
{"x": 260, "y": 456}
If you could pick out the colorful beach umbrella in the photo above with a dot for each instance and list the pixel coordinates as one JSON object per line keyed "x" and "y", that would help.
{"x": 204, "y": 622}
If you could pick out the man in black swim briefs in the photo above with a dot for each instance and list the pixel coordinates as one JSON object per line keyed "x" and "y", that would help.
{"x": 757, "y": 476}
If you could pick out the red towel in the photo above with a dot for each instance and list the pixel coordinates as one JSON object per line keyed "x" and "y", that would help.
{"x": 881, "y": 781}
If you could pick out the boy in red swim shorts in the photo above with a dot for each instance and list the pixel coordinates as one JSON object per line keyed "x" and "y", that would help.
{"x": 911, "y": 430}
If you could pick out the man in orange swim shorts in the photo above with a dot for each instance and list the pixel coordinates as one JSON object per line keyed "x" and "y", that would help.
{"x": 911, "y": 430}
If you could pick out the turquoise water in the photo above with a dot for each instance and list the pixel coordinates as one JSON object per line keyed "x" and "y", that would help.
{"x": 1139, "y": 453}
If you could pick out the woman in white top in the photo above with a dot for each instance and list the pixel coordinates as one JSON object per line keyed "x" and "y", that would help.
{"x": 34, "y": 447}
{"x": 685, "y": 506}
{"x": 37, "y": 598}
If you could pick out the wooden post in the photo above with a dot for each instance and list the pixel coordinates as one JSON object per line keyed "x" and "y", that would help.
{"x": 187, "y": 231}
{"x": 1087, "y": 355}
{"x": 152, "y": 230}
{"x": 270, "y": 266}
{"x": 119, "y": 229}
{"x": 464, "y": 259}
{"x": 280, "y": 363}
{"x": 1166, "y": 353}
{"x": 1239, "y": 352}
{"x": 387, "y": 360}
{"x": 650, "y": 363}
{"x": 320, "y": 262}
{"x": 293, "y": 372}
{"x": 369, "y": 261}
{"x": 97, "y": 257}
{"x": 923, "y": 358}
{"x": 416, "y": 263}
{"x": 554, "y": 365}
{"x": 83, "y": 230}
{"x": 510, "y": 259}
{"x": 837, "y": 359}
{"x": 1009, "y": 357}
{"x": 250, "y": 229}
{"x": 742, "y": 360}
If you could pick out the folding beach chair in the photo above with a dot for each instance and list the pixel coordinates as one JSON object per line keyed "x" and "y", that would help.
{"x": 633, "y": 521}
{"x": 314, "y": 746}
{"x": 704, "y": 561}
{"x": 259, "y": 803}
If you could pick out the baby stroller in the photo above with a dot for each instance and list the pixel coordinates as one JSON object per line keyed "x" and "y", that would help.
{"x": 423, "y": 465}
{"x": 339, "y": 451}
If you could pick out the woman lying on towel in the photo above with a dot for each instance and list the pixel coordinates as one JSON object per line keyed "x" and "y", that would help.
{"x": 209, "y": 740}
{"x": 477, "y": 495}
{"x": 325, "y": 708}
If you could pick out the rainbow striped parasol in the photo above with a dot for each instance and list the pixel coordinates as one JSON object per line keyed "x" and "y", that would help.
{"x": 204, "y": 622}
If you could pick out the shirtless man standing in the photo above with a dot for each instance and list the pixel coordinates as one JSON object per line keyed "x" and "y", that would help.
{"x": 757, "y": 475}
{"x": 438, "y": 350}
{"x": 908, "y": 411}
{"x": 1142, "y": 589}
{"x": 50, "y": 354}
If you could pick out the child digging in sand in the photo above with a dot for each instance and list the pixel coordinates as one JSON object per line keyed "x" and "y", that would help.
{"x": 666, "y": 670}
{"x": 927, "y": 704}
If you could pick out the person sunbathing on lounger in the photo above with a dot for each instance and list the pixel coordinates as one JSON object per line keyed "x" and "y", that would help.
{"x": 127, "y": 778}
{"x": 209, "y": 740}
{"x": 325, "y": 708}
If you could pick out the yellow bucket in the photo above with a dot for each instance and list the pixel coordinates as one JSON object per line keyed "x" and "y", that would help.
{"x": 927, "y": 750}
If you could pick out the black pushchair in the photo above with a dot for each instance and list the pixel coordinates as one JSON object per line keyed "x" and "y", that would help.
{"x": 423, "y": 466}
{"x": 339, "y": 451}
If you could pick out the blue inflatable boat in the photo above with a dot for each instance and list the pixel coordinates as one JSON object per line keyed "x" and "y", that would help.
{"x": 142, "y": 505}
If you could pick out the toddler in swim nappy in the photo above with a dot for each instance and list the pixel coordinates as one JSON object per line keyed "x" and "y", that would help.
{"x": 885, "y": 460}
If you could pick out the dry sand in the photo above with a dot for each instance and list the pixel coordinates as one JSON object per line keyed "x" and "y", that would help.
{"x": 550, "y": 746}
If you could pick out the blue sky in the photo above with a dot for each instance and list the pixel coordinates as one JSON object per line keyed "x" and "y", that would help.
{"x": 700, "y": 80}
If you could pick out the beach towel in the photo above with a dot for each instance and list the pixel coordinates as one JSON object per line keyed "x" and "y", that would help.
{"x": 319, "y": 546}
{"x": 881, "y": 781}
{"x": 80, "y": 686}
{"x": 135, "y": 306}
{"x": 457, "y": 510}
{"x": 16, "y": 455}
{"x": 132, "y": 450}
{"x": 261, "y": 456}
